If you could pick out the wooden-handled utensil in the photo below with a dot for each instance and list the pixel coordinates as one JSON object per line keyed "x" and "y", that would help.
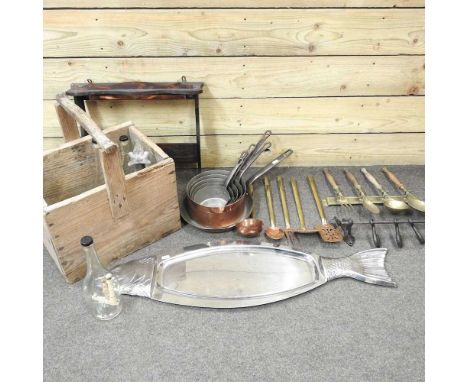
{"x": 328, "y": 232}
{"x": 340, "y": 198}
{"x": 368, "y": 205}
{"x": 410, "y": 198}
{"x": 393, "y": 205}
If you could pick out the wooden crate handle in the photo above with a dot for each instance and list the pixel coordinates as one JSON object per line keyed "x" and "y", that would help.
{"x": 87, "y": 123}
{"x": 110, "y": 158}
{"x": 67, "y": 123}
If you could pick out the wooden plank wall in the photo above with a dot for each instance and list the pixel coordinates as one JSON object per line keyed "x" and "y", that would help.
{"x": 339, "y": 81}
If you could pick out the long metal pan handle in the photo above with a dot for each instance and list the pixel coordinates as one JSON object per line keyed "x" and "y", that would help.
{"x": 235, "y": 168}
{"x": 261, "y": 141}
{"x": 254, "y": 149}
{"x": 269, "y": 166}
{"x": 252, "y": 159}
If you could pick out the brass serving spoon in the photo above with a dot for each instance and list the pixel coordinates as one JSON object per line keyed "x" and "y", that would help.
{"x": 368, "y": 205}
{"x": 252, "y": 226}
{"x": 411, "y": 199}
{"x": 273, "y": 232}
{"x": 393, "y": 205}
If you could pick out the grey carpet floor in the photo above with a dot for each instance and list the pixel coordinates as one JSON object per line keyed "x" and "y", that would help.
{"x": 343, "y": 331}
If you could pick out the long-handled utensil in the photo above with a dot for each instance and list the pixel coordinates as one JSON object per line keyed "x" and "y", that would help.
{"x": 298, "y": 202}
{"x": 375, "y": 236}
{"x": 418, "y": 234}
{"x": 328, "y": 232}
{"x": 252, "y": 226}
{"x": 393, "y": 205}
{"x": 336, "y": 188}
{"x": 292, "y": 239}
{"x": 273, "y": 232}
{"x": 368, "y": 205}
{"x": 410, "y": 198}
{"x": 398, "y": 238}
{"x": 235, "y": 169}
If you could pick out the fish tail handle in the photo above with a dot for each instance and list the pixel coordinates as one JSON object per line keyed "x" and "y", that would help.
{"x": 367, "y": 266}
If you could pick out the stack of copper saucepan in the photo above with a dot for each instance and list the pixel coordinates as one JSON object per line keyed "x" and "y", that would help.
{"x": 218, "y": 199}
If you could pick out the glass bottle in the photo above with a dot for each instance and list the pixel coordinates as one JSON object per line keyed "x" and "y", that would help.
{"x": 124, "y": 144}
{"x": 100, "y": 288}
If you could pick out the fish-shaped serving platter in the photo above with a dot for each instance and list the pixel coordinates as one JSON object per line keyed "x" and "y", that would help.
{"x": 236, "y": 275}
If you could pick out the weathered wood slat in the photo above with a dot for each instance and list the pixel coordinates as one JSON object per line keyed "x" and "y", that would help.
{"x": 124, "y": 33}
{"x": 251, "y": 77}
{"x": 232, "y": 3}
{"x": 253, "y": 116}
{"x": 312, "y": 149}
{"x": 67, "y": 123}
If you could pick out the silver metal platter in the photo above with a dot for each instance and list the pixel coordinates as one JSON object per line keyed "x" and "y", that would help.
{"x": 185, "y": 215}
{"x": 227, "y": 275}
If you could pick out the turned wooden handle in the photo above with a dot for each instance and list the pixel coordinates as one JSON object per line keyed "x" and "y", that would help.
{"x": 371, "y": 179}
{"x": 392, "y": 177}
{"x": 351, "y": 178}
{"x": 330, "y": 179}
{"x": 87, "y": 123}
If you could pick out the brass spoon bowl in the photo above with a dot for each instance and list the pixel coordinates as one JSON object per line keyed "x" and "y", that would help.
{"x": 395, "y": 206}
{"x": 249, "y": 227}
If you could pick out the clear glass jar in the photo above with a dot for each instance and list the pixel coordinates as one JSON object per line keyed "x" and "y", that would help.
{"x": 100, "y": 288}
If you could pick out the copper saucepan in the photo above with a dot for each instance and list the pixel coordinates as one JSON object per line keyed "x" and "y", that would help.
{"x": 232, "y": 213}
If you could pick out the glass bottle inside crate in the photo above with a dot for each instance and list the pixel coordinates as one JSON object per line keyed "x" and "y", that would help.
{"x": 100, "y": 288}
{"x": 124, "y": 144}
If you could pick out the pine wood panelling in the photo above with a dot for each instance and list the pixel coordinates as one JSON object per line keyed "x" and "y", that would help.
{"x": 310, "y": 150}
{"x": 124, "y": 33}
{"x": 339, "y": 81}
{"x": 231, "y": 3}
{"x": 253, "y": 116}
{"x": 251, "y": 77}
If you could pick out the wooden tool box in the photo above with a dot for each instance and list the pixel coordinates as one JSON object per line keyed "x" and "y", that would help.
{"x": 87, "y": 193}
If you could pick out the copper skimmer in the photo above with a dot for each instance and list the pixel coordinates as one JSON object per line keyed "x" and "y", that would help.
{"x": 328, "y": 232}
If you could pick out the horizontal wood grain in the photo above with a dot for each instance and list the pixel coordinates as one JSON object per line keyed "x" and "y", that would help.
{"x": 127, "y": 33}
{"x": 253, "y": 116}
{"x": 230, "y": 3}
{"x": 251, "y": 77}
{"x": 309, "y": 150}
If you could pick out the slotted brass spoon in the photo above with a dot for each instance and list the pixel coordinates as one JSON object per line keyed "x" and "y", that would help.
{"x": 328, "y": 232}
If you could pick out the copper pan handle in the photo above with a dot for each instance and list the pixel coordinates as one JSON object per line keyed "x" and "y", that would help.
{"x": 269, "y": 166}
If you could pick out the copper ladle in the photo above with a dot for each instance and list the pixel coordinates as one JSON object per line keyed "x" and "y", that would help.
{"x": 253, "y": 226}
{"x": 273, "y": 232}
